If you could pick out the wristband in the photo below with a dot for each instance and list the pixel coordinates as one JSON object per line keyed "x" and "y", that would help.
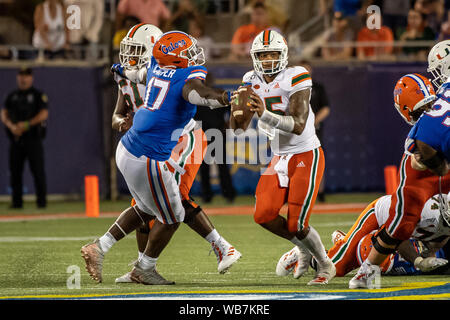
{"x": 27, "y": 125}
{"x": 284, "y": 123}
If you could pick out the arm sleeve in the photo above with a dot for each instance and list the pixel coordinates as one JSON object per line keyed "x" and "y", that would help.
{"x": 43, "y": 101}
{"x": 197, "y": 72}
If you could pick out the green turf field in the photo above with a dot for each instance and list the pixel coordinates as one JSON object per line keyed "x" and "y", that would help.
{"x": 36, "y": 254}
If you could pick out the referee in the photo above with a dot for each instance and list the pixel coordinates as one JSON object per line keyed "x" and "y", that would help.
{"x": 24, "y": 114}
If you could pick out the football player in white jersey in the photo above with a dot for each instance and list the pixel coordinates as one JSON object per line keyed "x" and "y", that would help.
{"x": 281, "y": 101}
{"x": 187, "y": 156}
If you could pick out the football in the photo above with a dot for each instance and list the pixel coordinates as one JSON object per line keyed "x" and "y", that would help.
{"x": 240, "y": 106}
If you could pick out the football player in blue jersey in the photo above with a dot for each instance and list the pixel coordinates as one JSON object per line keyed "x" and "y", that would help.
{"x": 187, "y": 156}
{"x": 423, "y": 170}
{"x": 175, "y": 87}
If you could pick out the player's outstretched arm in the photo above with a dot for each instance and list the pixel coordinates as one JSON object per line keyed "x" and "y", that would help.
{"x": 122, "y": 118}
{"x": 432, "y": 159}
{"x": 134, "y": 75}
{"x": 424, "y": 264}
{"x": 196, "y": 92}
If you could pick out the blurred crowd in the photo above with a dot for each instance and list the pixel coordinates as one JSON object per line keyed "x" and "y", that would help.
{"x": 349, "y": 35}
{"x": 400, "y": 22}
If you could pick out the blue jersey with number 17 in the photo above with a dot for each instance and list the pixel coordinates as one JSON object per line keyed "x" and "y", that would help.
{"x": 433, "y": 127}
{"x": 158, "y": 125}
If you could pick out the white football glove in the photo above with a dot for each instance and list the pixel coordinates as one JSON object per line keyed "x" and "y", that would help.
{"x": 429, "y": 264}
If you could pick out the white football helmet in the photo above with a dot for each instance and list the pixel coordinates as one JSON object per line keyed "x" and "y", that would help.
{"x": 267, "y": 41}
{"x": 136, "y": 47}
{"x": 439, "y": 63}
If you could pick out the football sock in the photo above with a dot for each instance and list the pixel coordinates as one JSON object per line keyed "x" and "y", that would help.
{"x": 107, "y": 241}
{"x": 146, "y": 262}
{"x": 314, "y": 245}
{"x": 140, "y": 254}
{"x": 213, "y": 236}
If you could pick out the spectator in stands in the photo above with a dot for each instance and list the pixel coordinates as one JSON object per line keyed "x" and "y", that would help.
{"x": 341, "y": 33}
{"x": 321, "y": 108}
{"x": 91, "y": 22}
{"x": 147, "y": 11}
{"x": 4, "y": 53}
{"x": 50, "y": 30}
{"x": 352, "y": 10}
{"x": 185, "y": 12}
{"x": 24, "y": 115}
{"x": 197, "y": 30}
{"x": 128, "y": 22}
{"x": 244, "y": 35}
{"x": 416, "y": 30}
{"x": 444, "y": 34}
{"x": 395, "y": 13}
{"x": 276, "y": 15}
{"x": 433, "y": 12}
{"x": 382, "y": 34}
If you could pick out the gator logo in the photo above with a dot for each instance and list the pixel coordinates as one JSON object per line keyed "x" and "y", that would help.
{"x": 172, "y": 46}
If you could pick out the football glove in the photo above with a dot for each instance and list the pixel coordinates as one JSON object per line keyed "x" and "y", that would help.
{"x": 429, "y": 264}
{"x": 117, "y": 68}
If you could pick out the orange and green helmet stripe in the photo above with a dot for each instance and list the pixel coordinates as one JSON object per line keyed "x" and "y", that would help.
{"x": 133, "y": 31}
{"x": 266, "y": 37}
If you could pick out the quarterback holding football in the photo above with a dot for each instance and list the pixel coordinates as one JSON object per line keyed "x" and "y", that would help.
{"x": 280, "y": 97}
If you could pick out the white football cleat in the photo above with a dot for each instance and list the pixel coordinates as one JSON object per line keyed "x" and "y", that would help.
{"x": 365, "y": 277}
{"x": 148, "y": 277}
{"x": 126, "y": 278}
{"x": 325, "y": 272}
{"x": 287, "y": 262}
{"x": 337, "y": 235}
{"x": 226, "y": 255}
{"x": 302, "y": 265}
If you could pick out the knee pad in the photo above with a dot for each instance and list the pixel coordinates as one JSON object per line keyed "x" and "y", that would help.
{"x": 191, "y": 210}
{"x": 386, "y": 238}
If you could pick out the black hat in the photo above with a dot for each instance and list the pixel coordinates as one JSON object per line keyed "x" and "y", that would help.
{"x": 25, "y": 71}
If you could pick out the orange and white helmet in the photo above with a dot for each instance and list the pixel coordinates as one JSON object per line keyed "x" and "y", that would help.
{"x": 412, "y": 92}
{"x": 439, "y": 63}
{"x": 268, "y": 41}
{"x": 364, "y": 248}
{"x": 136, "y": 47}
{"x": 176, "y": 49}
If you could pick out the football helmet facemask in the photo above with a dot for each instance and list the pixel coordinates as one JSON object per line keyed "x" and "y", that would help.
{"x": 136, "y": 47}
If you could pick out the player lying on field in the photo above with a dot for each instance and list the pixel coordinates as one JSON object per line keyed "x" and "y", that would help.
{"x": 422, "y": 253}
{"x": 174, "y": 88}
{"x": 186, "y": 157}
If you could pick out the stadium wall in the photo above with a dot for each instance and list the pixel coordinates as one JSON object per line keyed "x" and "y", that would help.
{"x": 363, "y": 133}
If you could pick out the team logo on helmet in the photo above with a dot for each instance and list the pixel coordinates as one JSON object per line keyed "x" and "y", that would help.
{"x": 173, "y": 46}
{"x": 412, "y": 94}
